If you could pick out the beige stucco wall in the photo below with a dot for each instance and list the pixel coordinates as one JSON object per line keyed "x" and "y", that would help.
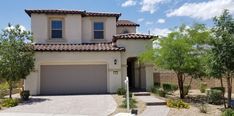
{"x": 121, "y": 29}
{"x": 77, "y": 29}
{"x": 133, "y": 49}
{"x": 87, "y": 28}
{"x": 32, "y": 82}
{"x": 73, "y": 28}
{"x": 39, "y": 27}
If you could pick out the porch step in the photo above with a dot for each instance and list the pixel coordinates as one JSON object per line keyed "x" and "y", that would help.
{"x": 141, "y": 94}
{"x": 151, "y": 100}
{"x": 155, "y": 103}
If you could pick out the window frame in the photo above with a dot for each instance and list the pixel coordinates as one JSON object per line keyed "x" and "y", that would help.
{"x": 125, "y": 31}
{"x": 103, "y": 30}
{"x": 50, "y": 27}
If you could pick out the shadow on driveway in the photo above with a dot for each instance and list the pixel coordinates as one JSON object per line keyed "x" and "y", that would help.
{"x": 32, "y": 101}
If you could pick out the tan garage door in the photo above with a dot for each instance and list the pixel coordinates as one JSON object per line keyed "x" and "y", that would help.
{"x": 73, "y": 79}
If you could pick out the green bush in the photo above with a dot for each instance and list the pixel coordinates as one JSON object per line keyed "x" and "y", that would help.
{"x": 4, "y": 86}
{"x": 10, "y": 102}
{"x": 169, "y": 87}
{"x": 132, "y": 103}
{"x": 186, "y": 89}
{"x": 177, "y": 104}
{"x": 161, "y": 92}
{"x": 174, "y": 87}
{"x": 228, "y": 112}
{"x": 166, "y": 87}
{"x": 3, "y": 89}
{"x": 215, "y": 96}
{"x": 203, "y": 87}
{"x": 218, "y": 88}
{"x": 130, "y": 95}
{"x": 157, "y": 85}
{"x": 121, "y": 91}
{"x": 154, "y": 90}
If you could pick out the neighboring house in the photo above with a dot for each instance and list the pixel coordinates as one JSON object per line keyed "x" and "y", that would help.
{"x": 80, "y": 52}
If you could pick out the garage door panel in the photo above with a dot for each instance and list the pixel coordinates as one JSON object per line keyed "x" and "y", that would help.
{"x": 73, "y": 79}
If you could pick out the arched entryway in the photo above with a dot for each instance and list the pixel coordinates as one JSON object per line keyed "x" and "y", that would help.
{"x": 136, "y": 74}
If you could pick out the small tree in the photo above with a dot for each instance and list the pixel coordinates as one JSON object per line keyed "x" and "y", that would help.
{"x": 222, "y": 60}
{"x": 16, "y": 55}
{"x": 182, "y": 51}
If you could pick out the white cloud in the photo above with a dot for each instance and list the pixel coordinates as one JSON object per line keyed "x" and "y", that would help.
{"x": 150, "y": 5}
{"x": 140, "y": 19}
{"x": 203, "y": 10}
{"x": 161, "y": 21}
{"x": 129, "y": 3}
{"x": 149, "y": 22}
{"x": 161, "y": 32}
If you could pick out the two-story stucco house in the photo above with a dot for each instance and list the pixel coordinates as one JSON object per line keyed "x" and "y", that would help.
{"x": 80, "y": 52}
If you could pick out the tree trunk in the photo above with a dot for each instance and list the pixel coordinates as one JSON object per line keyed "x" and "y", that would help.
{"x": 180, "y": 84}
{"x": 229, "y": 87}
{"x": 10, "y": 89}
{"x": 221, "y": 82}
{"x": 190, "y": 82}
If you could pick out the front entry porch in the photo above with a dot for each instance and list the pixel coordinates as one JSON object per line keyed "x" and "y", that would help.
{"x": 136, "y": 73}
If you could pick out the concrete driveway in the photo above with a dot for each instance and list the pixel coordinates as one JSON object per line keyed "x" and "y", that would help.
{"x": 81, "y": 105}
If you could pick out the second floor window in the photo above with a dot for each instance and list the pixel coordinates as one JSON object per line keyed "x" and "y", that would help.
{"x": 98, "y": 30}
{"x": 56, "y": 29}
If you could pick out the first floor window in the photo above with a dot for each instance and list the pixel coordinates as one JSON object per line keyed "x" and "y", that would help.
{"x": 98, "y": 30}
{"x": 56, "y": 29}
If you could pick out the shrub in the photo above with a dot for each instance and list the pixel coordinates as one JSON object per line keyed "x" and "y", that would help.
{"x": 157, "y": 85}
{"x": 169, "y": 87}
{"x": 203, "y": 108}
{"x": 218, "y": 88}
{"x": 177, "y": 104}
{"x": 228, "y": 112}
{"x": 3, "y": 89}
{"x": 121, "y": 91}
{"x": 132, "y": 103}
{"x": 203, "y": 87}
{"x": 174, "y": 87}
{"x": 10, "y": 102}
{"x": 154, "y": 90}
{"x": 24, "y": 95}
{"x": 130, "y": 95}
{"x": 166, "y": 87}
{"x": 186, "y": 89}
{"x": 4, "y": 86}
{"x": 161, "y": 92}
{"x": 215, "y": 96}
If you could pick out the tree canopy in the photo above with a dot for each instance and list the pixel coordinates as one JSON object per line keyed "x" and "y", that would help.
{"x": 222, "y": 52}
{"x": 16, "y": 54}
{"x": 182, "y": 51}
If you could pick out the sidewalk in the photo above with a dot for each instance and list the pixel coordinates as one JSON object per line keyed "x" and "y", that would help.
{"x": 154, "y": 106}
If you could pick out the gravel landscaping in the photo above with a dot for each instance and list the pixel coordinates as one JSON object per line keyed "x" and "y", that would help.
{"x": 194, "y": 99}
{"x": 140, "y": 105}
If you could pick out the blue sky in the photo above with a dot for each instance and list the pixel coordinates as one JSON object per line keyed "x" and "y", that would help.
{"x": 158, "y": 16}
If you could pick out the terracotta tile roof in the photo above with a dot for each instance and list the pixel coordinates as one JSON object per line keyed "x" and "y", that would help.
{"x": 82, "y": 12}
{"x": 78, "y": 47}
{"x": 54, "y": 11}
{"x": 126, "y": 23}
{"x": 106, "y": 14}
{"x": 132, "y": 36}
